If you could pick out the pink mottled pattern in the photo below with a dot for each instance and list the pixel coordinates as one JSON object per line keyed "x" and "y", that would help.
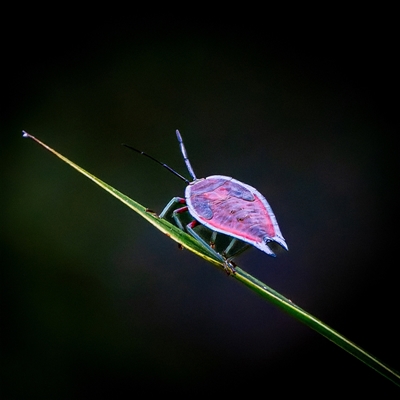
{"x": 231, "y": 207}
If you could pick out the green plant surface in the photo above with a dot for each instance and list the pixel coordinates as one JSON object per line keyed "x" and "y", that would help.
{"x": 240, "y": 275}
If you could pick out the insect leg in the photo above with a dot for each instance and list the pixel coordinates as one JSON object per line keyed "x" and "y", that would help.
{"x": 205, "y": 245}
{"x": 170, "y": 206}
{"x": 176, "y": 215}
{"x": 228, "y": 256}
{"x": 231, "y": 244}
{"x": 213, "y": 238}
{"x": 237, "y": 252}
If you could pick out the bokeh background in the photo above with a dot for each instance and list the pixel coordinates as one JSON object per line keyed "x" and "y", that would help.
{"x": 95, "y": 301}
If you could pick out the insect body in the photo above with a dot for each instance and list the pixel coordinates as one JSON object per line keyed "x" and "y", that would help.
{"x": 225, "y": 215}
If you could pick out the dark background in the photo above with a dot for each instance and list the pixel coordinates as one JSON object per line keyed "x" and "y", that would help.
{"x": 98, "y": 302}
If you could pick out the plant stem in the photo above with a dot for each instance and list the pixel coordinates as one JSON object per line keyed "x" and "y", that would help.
{"x": 306, "y": 318}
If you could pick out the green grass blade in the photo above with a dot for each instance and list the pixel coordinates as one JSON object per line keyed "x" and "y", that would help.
{"x": 297, "y": 312}
{"x": 257, "y": 286}
{"x": 164, "y": 226}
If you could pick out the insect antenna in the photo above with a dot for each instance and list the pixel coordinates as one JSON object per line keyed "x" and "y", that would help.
{"x": 185, "y": 157}
{"x": 159, "y": 162}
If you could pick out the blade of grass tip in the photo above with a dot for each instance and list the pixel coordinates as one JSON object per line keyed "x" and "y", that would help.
{"x": 259, "y": 287}
{"x": 164, "y": 226}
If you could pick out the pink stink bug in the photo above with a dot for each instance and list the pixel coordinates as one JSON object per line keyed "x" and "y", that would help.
{"x": 225, "y": 215}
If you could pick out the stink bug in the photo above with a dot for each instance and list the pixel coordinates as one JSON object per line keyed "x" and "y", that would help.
{"x": 225, "y": 215}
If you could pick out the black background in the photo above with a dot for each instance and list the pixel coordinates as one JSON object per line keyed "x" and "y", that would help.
{"x": 98, "y": 302}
